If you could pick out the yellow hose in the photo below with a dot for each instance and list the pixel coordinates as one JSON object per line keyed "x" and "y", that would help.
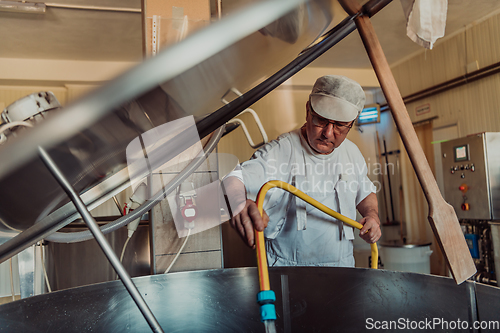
{"x": 259, "y": 239}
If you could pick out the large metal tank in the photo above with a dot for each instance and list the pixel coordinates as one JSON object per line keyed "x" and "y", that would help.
{"x": 309, "y": 299}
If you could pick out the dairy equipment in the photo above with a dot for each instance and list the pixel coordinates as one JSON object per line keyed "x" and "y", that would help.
{"x": 471, "y": 175}
{"x": 308, "y": 299}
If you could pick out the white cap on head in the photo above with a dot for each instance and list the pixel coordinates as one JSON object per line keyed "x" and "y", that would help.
{"x": 337, "y": 97}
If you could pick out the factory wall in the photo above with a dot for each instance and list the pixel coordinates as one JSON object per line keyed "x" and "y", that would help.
{"x": 473, "y": 107}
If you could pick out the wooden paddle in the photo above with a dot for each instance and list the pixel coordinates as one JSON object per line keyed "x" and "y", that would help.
{"x": 442, "y": 217}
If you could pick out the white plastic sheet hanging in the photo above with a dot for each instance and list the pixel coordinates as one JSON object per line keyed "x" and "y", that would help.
{"x": 425, "y": 20}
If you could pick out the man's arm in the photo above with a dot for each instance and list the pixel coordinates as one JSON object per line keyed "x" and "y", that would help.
{"x": 246, "y": 216}
{"x": 368, "y": 208}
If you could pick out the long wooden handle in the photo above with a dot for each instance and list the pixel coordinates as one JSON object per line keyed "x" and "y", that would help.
{"x": 398, "y": 108}
{"x": 442, "y": 217}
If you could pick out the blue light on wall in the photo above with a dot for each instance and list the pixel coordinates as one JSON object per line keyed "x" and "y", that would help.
{"x": 369, "y": 115}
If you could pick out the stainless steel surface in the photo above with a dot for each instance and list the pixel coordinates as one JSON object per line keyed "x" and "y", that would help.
{"x": 492, "y": 143}
{"x": 78, "y": 264}
{"x": 12, "y": 241}
{"x": 115, "y": 200}
{"x": 319, "y": 299}
{"x": 495, "y": 239}
{"x": 98, "y": 235}
{"x": 6, "y": 235}
{"x": 87, "y": 139}
{"x": 483, "y": 194}
{"x": 471, "y": 290}
{"x": 151, "y": 217}
{"x": 26, "y": 263}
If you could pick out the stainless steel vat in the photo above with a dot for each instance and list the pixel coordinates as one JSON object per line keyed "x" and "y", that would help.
{"x": 309, "y": 299}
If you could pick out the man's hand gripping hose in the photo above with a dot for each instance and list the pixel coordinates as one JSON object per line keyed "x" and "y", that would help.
{"x": 266, "y": 296}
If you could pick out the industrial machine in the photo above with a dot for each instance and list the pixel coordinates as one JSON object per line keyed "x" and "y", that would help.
{"x": 471, "y": 174}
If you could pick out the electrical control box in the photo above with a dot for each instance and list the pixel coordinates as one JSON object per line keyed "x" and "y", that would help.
{"x": 471, "y": 174}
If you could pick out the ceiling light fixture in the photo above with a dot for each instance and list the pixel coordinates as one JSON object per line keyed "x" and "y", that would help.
{"x": 22, "y": 7}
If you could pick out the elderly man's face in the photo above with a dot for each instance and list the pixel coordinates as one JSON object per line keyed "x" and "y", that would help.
{"x": 322, "y": 134}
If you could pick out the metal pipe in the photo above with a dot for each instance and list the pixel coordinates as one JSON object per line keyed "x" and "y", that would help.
{"x": 473, "y": 310}
{"x": 450, "y": 84}
{"x": 152, "y": 232}
{"x": 388, "y": 179}
{"x": 117, "y": 205}
{"x": 379, "y": 151}
{"x": 231, "y": 110}
{"x": 374, "y": 6}
{"x": 101, "y": 240}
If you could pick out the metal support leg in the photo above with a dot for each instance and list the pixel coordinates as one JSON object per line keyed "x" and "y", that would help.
{"x": 473, "y": 313}
{"x": 101, "y": 240}
{"x": 152, "y": 232}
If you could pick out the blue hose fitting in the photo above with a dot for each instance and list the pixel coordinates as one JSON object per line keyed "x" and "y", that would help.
{"x": 266, "y": 299}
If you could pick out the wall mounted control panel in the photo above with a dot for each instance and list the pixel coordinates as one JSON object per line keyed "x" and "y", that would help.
{"x": 471, "y": 170}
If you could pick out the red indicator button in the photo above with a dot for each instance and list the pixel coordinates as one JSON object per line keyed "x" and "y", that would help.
{"x": 464, "y": 188}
